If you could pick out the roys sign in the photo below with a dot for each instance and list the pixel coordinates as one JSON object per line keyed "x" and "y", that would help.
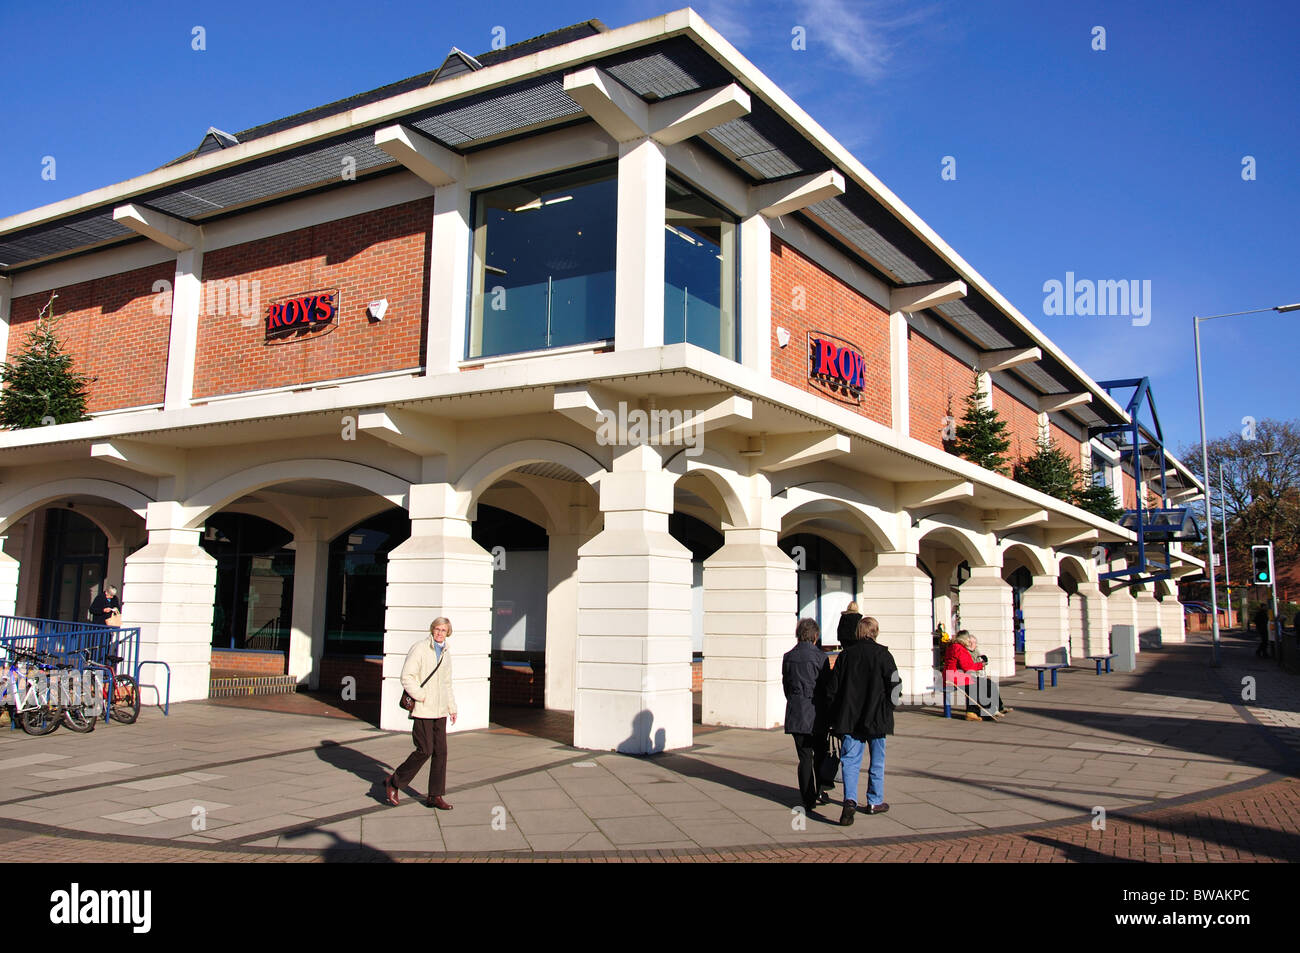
{"x": 303, "y": 314}
{"x": 836, "y": 365}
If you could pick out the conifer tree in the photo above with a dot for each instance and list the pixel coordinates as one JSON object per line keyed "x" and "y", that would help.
{"x": 1049, "y": 470}
{"x": 1097, "y": 498}
{"x": 41, "y": 385}
{"x": 981, "y": 435}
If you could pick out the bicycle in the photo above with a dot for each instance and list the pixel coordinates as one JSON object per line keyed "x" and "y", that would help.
{"x": 41, "y": 708}
{"x": 22, "y": 696}
{"x": 121, "y": 693}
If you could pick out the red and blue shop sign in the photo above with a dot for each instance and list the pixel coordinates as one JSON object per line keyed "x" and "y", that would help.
{"x": 301, "y": 315}
{"x": 836, "y": 365}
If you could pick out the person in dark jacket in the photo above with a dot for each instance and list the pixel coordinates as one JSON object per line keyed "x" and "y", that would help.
{"x": 105, "y": 605}
{"x": 1261, "y": 629}
{"x": 863, "y": 693}
{"x": 847, "y": 632}
{"x": 804, "y": 676}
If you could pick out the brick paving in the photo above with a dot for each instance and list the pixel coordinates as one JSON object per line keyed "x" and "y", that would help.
{"x": 1183, "y": 770}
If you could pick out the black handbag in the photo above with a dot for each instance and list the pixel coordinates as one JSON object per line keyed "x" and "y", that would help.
{"x": 830, "y": 764}
{"x": 407, "y": 701}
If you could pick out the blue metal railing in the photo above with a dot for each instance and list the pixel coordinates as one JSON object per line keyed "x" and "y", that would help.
{"x": 66, "y": 640}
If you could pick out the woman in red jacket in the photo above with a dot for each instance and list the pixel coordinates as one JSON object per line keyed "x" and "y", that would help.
{"x": 959, "y": 660}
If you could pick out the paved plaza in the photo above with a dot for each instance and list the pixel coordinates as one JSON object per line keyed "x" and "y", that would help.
{"x": 1172, "y": 750}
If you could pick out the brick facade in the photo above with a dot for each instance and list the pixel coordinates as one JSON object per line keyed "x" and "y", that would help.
{"x": 937, "y": 386}
{"x": 807, "y": 298}
{"x": 379, "y": 254}
{"x": 112, "y": 329}
{"x": 1022, "y": 425}
{"x": 1067, "y": 443}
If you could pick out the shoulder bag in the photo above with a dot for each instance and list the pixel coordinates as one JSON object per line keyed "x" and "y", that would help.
{"x": 408, "y": 700}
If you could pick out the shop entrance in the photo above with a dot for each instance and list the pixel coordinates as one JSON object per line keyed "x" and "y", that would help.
{"x": 74, "y": 568}
{"x": 253, "y": 608}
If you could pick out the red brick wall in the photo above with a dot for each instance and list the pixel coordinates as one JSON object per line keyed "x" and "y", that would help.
{"x": 1130, "y": 492}
{"x": 227, "y": 662}
{"x": 380, "y": 254}
{"x": 937, "y": 385}
{"x": 109, "y": 327}
{"x": 832, "y": 307}
{"x": 368, "y": 672}
{"x": 1022, "y": 424}
{"x": 1067, "y": 443}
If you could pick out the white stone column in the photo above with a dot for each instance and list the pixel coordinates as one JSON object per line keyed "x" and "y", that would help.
{"x": 1047, "y": 623}
{"x": 1148, "y": 617}
{"x": 562, "y": 620}
{"x": 6, "y": 304}
{"x": 311, "y": 557}
{"x": 749, "y": 612}
{"x": 900, "y": 401}
{"x": 639, "y": 256}
{"x": 897, "y": 594}
{"x": 985, "y": 600}
{"x": 168, "y": 587}
{"x": 439, "y": 571}
{"x": 448, "y": 280}
{"x": 1090, "y": 621}
{"x": 8, "y": 584}
{"x": 187, "y": 307}
{"x": 1122, "y": 608}
{"x": 756, "y": 294}
{"x": 1173, "y": 624}
{"x": 634, "y": 617}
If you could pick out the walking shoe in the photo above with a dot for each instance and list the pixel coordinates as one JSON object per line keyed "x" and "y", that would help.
{"x": 972, "y": 716}
{"x": 880, "y": 808}
{"x": 846, "y": 818}
{"x": 439, "y": 802}
{"x": 1004, "y": 709}
{"x": 823, "y": 797}
{"x": 390, "y": 790}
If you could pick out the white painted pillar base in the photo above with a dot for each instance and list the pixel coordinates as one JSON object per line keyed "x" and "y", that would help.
{"x": 1093, "y": 628}
{"x": 985, "y": 600}
{"x": 1047, "y": 623}
{"x": 168, "y": 588}
{"x": 1173, "y": 624}
{"x": 9, "y": 571}
{"x": 307, "y": 634}
{"x": 749, "y": 608}
{"x": 897, "y": 594}
{"x": 1148, "y": 619}
{"x": 634, "y": 619}
{"x": 439, "y": 571}
{"x": 561, "y": 620}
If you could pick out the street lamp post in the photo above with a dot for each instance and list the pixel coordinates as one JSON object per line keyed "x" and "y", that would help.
{"x": 1205, "y": 456}
{"x": 1223, "y": 517}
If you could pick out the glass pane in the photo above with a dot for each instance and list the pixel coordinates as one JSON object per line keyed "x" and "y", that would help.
{"x": 544, "y": 263}
{"x": 699, "y": 272}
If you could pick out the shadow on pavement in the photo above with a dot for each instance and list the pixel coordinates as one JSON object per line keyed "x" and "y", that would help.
{"x": 362, "y": 765}
{"x": 344, "y": 851}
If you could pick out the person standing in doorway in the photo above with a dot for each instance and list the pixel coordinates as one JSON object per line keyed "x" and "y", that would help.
{"x": 1261, "y": 629}
{"x": 804, "y": 676}
{"x": 426, "y": 677}
{"x": 863, "y": 693}
{"x": 106, "y": 609}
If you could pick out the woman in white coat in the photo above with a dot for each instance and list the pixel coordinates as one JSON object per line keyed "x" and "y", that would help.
{"x": 426, "y": 676}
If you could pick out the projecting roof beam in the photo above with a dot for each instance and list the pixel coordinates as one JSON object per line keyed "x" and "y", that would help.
{"x": 626, "y": 116}
{"x": 166, "y": 230}
{"x": 1051, "y": 403}
{"x": 920, "y": 297}
{"x": 1068, "y": 537}
{"x": 140, "y": 457}
{"x": 435, "y": 164}
{"x": 789, "y": 195}
{"x": 408, "y": 431}
{"x": 931, "y": 493}
{"x": 715, "y": 415}
{"x": 585, "y": 405}
{"x": 793, "y": 450}
{"x": 1008, "y": 358}
{"x": 1002, "y": 521}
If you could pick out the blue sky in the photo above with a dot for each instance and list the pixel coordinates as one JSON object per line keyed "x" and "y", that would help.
{"x": 1122, "y": 163}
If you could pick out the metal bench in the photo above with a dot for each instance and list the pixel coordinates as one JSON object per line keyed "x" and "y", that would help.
{"x": 1099, "y": 659}
{"x": 1052, "y": 667}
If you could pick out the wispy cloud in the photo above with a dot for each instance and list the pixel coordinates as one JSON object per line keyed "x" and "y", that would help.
{"x": 865, "y": 36}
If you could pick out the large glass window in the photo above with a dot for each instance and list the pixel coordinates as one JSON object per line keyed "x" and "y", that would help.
{"x": 356, "y": 593}
{"x": 253, "y": 607}
{"x": 544, "y": 263}
{"x": 699, "y": 272}
{"x": 826, "y": 582}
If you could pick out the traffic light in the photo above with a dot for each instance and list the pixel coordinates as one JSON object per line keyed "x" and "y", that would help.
{"x": 1261, "y": 561}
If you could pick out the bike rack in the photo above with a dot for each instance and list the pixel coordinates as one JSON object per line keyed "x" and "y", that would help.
{"x": 167, "y": 700}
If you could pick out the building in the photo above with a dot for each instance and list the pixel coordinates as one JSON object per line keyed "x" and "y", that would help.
{"x": 597, "y": 344}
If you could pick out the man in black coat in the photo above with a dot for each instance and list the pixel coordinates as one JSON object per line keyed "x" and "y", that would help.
{"x": 863, "y": 692}
{"x": 804, "y": 676}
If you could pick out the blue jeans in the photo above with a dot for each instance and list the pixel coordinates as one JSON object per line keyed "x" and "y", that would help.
{"x": 851, "y": 762}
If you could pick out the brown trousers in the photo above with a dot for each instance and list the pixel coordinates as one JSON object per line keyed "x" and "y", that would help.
{"x": 430, "y": 735}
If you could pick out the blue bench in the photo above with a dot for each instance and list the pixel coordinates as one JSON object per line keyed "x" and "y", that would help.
{"x": 1099, "y": 659}
{"x": 1052, "y": 667}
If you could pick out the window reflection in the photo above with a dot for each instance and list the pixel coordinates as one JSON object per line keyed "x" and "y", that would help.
{"x": 699, "y": 272}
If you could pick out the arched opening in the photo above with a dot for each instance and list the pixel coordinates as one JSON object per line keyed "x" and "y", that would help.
{"x": 827, "y": 581}
{"x": 74, "y": 566}
{"x": 253, "y": 605}
{"x": 703, "y": 541}
{"x": 356, "y": 583}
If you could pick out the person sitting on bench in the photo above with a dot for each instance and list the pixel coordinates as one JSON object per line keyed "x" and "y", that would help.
{"x": 959, "y": 660}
